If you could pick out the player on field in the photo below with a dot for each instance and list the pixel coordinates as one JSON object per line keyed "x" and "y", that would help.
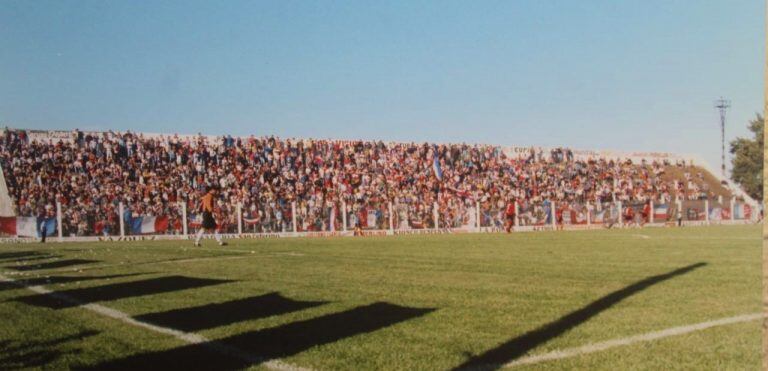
{"x": 646, "y": 213}
{"x": 629, "y": 215}
{"x": 209, "y": 223}
{"x": 510, "y": 215}
{"x": 44, "y": 214}
{"x": 559, "y": 216}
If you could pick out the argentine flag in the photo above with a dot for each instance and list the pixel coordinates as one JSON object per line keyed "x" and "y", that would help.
{"x": 436, "y": 165}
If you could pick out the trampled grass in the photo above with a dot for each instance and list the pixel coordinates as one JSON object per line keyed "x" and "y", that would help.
{"x": 411, "y": 302}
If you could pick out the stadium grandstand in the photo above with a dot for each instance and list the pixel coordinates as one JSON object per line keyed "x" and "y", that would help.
{"x": 97, "y": 185}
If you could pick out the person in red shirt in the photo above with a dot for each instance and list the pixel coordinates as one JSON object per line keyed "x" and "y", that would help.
{"x": 629, "y": 215}
{"x": 510, "y": 215}
{"x": 646, "y": 212}
{"x": 559, "y": 216}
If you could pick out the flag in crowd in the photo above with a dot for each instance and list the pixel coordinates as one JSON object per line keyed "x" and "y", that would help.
{"x": 742, "y": 211}
{"x": 580, "y": 217}
{"x": 715, "y": 213}
{"x": 371, "y": 218}
{"x": 726, "y": 214}
{"x": 27, "y": 226}
{"x": 566, "y": 216}
{"x": 660, "y": 211}
{"x": 719, "y": 213}
{"x": 149, "y": 224}
{"x": 436, "y": 165}
{"x": 547, "y": 212}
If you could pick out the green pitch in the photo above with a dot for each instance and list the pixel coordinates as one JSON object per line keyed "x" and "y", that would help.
{"x": 411, "y": 302}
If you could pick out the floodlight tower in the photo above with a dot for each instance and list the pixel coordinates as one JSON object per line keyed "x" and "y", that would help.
{"x": 722, "y": 105}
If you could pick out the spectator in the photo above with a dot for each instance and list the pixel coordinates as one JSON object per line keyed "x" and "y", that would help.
{"x": 92, "y": 173}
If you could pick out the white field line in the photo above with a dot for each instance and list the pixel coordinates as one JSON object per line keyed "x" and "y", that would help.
{"x": 663, "y": 237}
{"x": 188, "y": 337}
{"x": 650, "y": 336}
{"x": 756, "y": 238}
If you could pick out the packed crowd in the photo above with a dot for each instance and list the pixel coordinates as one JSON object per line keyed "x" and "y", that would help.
{"x": 90, "y": 174}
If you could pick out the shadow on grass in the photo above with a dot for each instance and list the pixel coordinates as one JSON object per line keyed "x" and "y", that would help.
{"x": 52, "y": 280}
{"x": 51, "y": 265}
{"x": 35, "y": 257}
{"x": 220, "y": 314}
{"x": 32, "y": 354}
{"x": 19, "y": 254}
{"x": 272, "y": 343}
{"x": 74, "y": 297}
{"x": 520, "y": 345}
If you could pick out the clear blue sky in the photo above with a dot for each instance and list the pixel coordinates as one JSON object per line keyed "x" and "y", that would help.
{"x": 632, "y": 75}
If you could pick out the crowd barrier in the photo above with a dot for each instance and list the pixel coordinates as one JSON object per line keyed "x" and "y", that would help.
{"x": 371, "y": 218}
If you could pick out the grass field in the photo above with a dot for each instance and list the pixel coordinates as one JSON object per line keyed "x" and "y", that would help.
{"x": 411, "y": 302}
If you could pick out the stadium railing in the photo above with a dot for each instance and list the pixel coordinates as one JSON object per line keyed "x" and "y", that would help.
{"x": 694, "y": 210}
{"x": 371, "y": 215}
{"x": 533, "y": 214}
{"x": 457, "y": 214}
{"x": 412, "y": 214}
{"x": 492, "y": 216}
{"x": 408, "y": 216}
{"x": 573, "y": 213}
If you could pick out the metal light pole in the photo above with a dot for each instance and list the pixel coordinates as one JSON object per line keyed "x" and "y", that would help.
{"x": 722, "y": 105}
